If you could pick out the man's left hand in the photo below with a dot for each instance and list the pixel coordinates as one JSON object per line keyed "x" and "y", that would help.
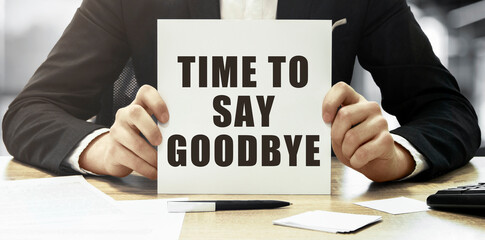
{"x": 360, "y": 136}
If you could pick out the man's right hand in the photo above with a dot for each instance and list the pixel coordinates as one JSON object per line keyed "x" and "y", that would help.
{"x": 122, "y": 150}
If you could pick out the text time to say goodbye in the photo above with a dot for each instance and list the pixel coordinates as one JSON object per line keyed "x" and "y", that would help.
{"x": 224, "y": 74}
{"x": 245, "y": 101}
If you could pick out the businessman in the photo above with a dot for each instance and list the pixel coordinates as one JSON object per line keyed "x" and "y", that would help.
{"x": 46, "y": 124}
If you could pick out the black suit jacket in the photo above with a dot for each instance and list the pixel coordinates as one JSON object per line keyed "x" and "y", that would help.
{"x": 48, "y": 118}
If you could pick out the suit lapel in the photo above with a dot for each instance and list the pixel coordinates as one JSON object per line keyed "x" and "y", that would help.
{"x": 204, "y": 9}
{"x": 294, "y": 9}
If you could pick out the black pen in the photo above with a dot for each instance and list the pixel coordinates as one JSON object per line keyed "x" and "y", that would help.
{"x": 221, "y": 205}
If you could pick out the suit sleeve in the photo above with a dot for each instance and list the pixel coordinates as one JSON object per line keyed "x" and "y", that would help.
{"x": 425, "y": 98}
{"x": 48, "y": 118}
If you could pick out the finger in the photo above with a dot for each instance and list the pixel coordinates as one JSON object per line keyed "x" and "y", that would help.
{"x": 139, "y": 165}
{"x": 115, "y": 153}
{"x": 349, "y": 116}
{"x": 378, "y": 148}
{"x": 149, "y": 98}
{"x": 124, "y": 161}
{"x": 365, "y": 131}
{"x": 138, "y": 119}
{"x": 131, "y": 140}
{"x": 340, "y": 94}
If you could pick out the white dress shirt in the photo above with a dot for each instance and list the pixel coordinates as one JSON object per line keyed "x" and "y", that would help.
{"x": 245, "y": 9}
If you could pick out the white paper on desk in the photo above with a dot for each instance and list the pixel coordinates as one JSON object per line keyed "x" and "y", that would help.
{"x": 398, "y": 205}
{"x": 57, "y": 199}
{"x": 141, "y": 219}
{"x": 96, "y": 228}
{"x": 64, "y": 208}
{"x": 328, "y": 221}
{"x": 154, "y": 213}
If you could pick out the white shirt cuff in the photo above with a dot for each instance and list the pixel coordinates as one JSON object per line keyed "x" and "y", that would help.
{"x": 421, "y": 164}
{"x": 73, "y": 160}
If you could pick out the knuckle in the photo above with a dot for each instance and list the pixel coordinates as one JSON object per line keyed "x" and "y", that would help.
{"x": 381, "y": 122}
{"x": 143, "y": 89}
{"x": 328, "y": 105}
{"x": 374, "y": 107}
{"x": 341, "y": 85}
{"x": 114, "y": 131}
{"x": 343, "y": 114}
{"x": 119, "y": 114}
{"x": 361, "y": 154}
{"x": 351, "y": 138}
{"x": 387, "y": 139}
{"x": 135, "y": 111}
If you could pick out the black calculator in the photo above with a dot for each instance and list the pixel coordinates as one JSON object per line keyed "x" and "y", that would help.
{"x": 467, "y": 197}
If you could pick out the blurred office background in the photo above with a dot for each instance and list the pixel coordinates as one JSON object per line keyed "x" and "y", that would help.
{"x": 30, "y": 28}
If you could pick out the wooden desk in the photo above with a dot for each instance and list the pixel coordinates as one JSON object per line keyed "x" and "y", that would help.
{"x": 348, "y": 187}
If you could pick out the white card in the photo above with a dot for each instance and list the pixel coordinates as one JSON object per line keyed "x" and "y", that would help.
{"x": 241, "y": 94}
{"x": 398, "y": 205}
{"x": 328, "y": 221}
